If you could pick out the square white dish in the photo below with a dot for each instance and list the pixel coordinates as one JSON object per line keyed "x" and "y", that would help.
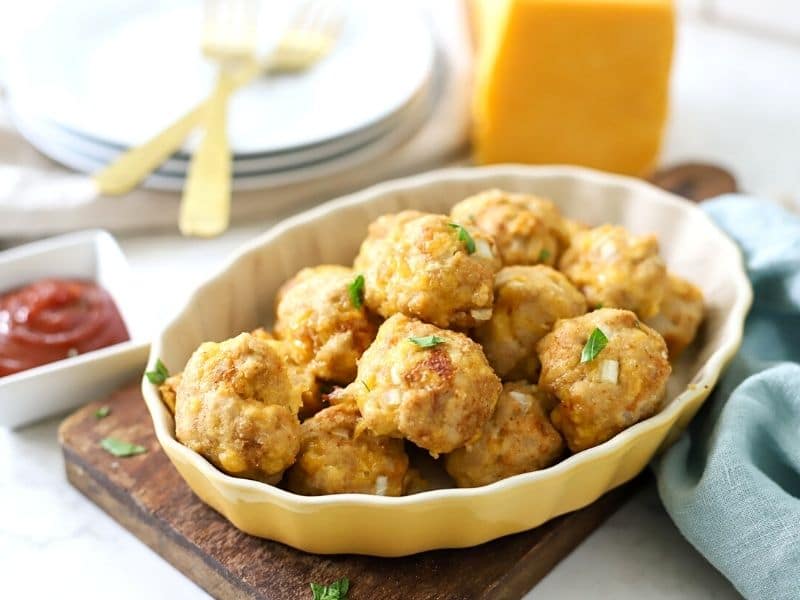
{"x": 56, "y": 387}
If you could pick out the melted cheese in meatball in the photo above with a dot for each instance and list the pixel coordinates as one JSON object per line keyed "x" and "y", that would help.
{"x": 528, "y": 301}
{"x": 528, "y": 230}
{"x": 614, "y": 268}
{"x": 336, "y": 457}
{"x": 517, "y": 439}
{"x": 425, "y": 266}
{"x": 315, "y": 313}
{"x": 235, "y": 406}
{"x": 437, "y": 396}
{"x": 621, "y": 386}
{"x": 680, "y": 315}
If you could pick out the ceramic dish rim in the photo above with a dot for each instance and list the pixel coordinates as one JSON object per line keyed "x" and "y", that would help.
{"x": 668, "y": 415}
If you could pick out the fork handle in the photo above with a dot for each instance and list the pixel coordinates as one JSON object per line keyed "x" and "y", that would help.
{"x": 205, "y": 207}
{"x": 130, "y": 168}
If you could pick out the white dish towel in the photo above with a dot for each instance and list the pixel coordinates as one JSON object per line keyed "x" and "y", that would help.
{"x": 39, "y": 197}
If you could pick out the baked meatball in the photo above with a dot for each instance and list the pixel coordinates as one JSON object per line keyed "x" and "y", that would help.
{"x": 620, "y": 386}
{"x": 528, "y": 230}
{"x": 428, "y": 267}
{"x": 235, "y": 406}
{"x": 517, "y": 439}
{"x": 430, "y": 385}
{"x": 614, "y": 268}
{"x": 680, "y": 315}
{"x": 304, "y": 384}
{"x": 317, "y": 315}
{"x": 336, "y": 457}
{"x": 528, "y": 300}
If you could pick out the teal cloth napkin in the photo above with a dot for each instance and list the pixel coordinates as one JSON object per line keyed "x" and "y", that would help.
{"x": 732, "y": 482}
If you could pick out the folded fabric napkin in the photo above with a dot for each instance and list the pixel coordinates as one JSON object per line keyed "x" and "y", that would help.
{"x": 732, "y": 482}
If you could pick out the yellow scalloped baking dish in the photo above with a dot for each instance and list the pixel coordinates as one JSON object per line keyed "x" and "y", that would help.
{"x": 240, "y": 297}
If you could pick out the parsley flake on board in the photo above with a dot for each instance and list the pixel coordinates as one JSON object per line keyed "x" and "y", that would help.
{"x": 121, "y": 448}
{"x": 335, "y": 591}
{"x": 428, "y": 341}
{"x": 356, "y": 291}
{"x": 102, "y": 412}
{"x": 160, "y": 374}
{"x": 544, "y": 255}
{"x": 596, "y": 342}
{"x": 464, "y": 236}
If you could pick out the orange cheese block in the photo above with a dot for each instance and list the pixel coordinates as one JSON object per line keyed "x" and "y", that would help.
{"x": 572, "y": 81}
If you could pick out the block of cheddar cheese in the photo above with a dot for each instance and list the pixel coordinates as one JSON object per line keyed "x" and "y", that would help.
{"x": 572, "y": 81}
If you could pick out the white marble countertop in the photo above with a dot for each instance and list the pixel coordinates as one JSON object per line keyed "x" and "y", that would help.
{"x": 736, "y": 101}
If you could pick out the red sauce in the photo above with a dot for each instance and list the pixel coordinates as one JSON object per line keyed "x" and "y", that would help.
{"x": 53, "y": 319}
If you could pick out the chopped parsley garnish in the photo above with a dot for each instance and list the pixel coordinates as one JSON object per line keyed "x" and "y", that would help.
{"x": 544, "y": 255}
{"x": 102, "y": 412}
{"x": 428, "y": 341}
{"x": 599, "y": 306}
{"x": 464, "y": 236}
{"x": 121, "y": 448}
{"x": 366, "y": 387}
{"x": 356, "y": 291}
{"x": 335, "y": 591}
{"x": 158, "y": 376}
{"x": 596, "y": 342}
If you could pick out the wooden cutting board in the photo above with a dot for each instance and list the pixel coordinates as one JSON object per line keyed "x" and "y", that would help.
{"x": 147, "y": 496}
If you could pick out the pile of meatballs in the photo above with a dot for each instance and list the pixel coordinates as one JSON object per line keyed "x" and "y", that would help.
{"x": 472, "y": 336}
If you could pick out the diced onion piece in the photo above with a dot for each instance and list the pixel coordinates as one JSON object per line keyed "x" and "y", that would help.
{"x": 483, "y": 249}
{"x": 381, "y": 485}
{"x": 609, "y": 371}
{"x": 608, "y": 251}
{"x": 524, "y": 400}
{"x": 397, "y": 376}
{"x": 392, "y": 397}
{"x": 481, "y": 314}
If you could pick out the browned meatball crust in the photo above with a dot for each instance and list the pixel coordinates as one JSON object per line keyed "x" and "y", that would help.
{"x": 614, "y": 268}
{"x": 438, "y": 396}
{"x": 519, "y": 438}
{"x": 680, "y": 315}
{"x": 528, "y": 300}
{"x": 304, "y": 384}
{"x": 336, "y": 457}
{"x": 528, "y": 230}
{"x": 315, "y": 313}
{"x": 425, "y": 266}
{"x": 235, "y": 406}
{"x": 622, "y": 385}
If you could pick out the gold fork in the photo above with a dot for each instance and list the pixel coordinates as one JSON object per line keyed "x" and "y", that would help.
{"x": 309, "y": 37}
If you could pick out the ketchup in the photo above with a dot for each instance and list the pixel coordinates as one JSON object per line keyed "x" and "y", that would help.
{"x": 53, "y": 319}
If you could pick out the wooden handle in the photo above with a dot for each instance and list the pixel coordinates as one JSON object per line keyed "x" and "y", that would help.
{"x": 695, "y": 181}
{"x": 205, "y": 208}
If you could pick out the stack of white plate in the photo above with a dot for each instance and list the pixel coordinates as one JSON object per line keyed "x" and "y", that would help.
{"x": 99, "y": 77}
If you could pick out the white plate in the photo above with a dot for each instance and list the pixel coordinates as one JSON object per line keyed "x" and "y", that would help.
{"x": 121, "y": 70}
{"x": 56, "y": 387}
{"x": 103, "y": 153}
{"x": 55, "y": 148}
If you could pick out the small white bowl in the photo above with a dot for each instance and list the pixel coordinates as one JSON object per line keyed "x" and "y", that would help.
{"x": 56, "y": 387}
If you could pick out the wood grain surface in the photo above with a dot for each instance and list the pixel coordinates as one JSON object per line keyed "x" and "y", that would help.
{"x": 147, "y": 496}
